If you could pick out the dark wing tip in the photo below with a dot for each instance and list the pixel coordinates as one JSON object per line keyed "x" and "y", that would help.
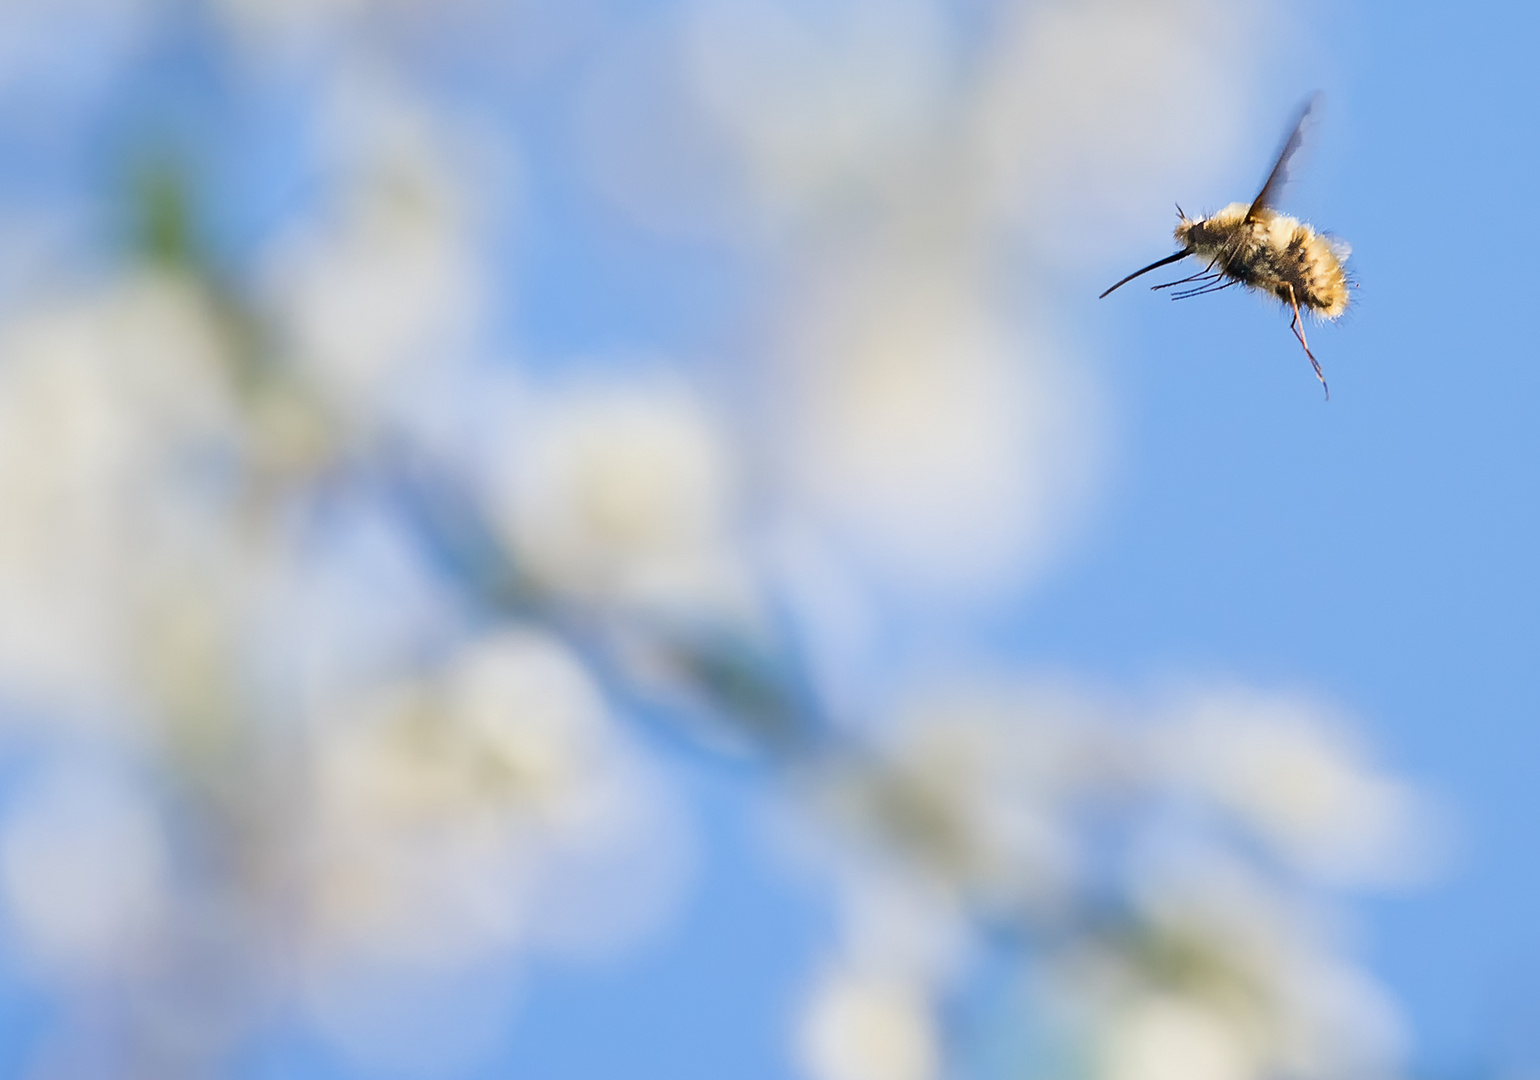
{"x": 1280, "y": 174}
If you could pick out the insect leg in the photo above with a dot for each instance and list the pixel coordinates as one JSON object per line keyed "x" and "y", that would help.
{"x": 1203, "y": 290}
{"x": 1212, "y": 285}
{"x": 1199, "y": 276}
{"x": 1207, "y": 271}
{"x": 1298, "y": 326}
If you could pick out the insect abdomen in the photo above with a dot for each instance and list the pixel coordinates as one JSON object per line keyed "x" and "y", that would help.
{"x": 1324, "y": 280}
{"x": 1293, "y": 261}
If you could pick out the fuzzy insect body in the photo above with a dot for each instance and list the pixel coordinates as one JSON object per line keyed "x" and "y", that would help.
{"x": 1274, "y": 253}
{"x": 1251, "y": 244}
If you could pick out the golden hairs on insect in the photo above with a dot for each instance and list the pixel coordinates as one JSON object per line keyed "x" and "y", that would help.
{"x": 1255, "y": 246}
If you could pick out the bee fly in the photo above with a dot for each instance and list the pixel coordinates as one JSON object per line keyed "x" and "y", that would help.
{"x": 1259, "y": 248}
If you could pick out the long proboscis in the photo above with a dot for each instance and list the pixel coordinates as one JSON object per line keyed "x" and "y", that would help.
{"x": 1153, "y": 266}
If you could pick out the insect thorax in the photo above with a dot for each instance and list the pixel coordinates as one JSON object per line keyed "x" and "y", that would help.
{"x": 1218, "y": 236}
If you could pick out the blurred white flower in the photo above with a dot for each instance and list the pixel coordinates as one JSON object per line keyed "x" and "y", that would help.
{"x": 1292, "y": 772}
{"x": 1274, "y": 966}
{"x": 83, "y": 867}
{"x": 472, "y": 812}
{"x": 1167, "y": 947}
{"x": 952, "y": 453}
{"x": 462, "y": 821}
{"x": 386, "y": 285}
{"x": 1170, "y": 1037}
{"x": 1338, "y": 1021}
{"x": 119, "y": 445}
{"x": 973, "y": 791}
{"x": 623, "y": 493}
{"x": 857, "y": 1026}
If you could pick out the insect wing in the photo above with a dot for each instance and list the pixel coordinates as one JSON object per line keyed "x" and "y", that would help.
{"x": 1280, "y": 174}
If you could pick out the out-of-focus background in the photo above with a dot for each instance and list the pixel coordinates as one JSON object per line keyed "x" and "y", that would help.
{"x": 590, "y": 538}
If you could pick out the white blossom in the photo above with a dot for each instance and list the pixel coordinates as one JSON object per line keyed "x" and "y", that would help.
{"x": 384, "y": 287}
{"x": 860, "y": 1027}
{"x": 1296, "y": 776}
{"x": 118, "y": 445}
{"x": 455, "y": 813}
{"x": 625, "y": 495}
